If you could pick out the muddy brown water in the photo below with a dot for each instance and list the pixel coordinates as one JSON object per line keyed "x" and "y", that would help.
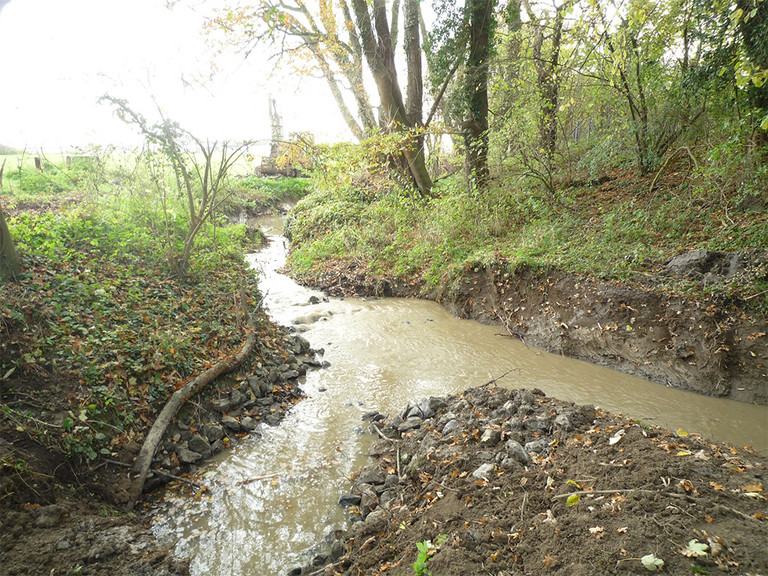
{"x": 273, "y": 499}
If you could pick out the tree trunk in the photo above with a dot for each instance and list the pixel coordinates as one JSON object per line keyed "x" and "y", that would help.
{"x": 377, "y": 47}
{"x": 10, "y": 266}
{"x": 414, "y": 100}
{"x": 475, "y": 128}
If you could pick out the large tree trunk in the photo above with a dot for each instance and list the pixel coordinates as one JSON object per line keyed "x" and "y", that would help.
{"x": 476, "y": 89}
{"x": 414, "y": 100}
{"x": 377, "y": 47}
{"x": 10, "y": 266}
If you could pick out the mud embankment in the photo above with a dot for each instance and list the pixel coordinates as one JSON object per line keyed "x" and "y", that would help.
{"x": 495, "y": 481}
{"x": 708, "y": 346}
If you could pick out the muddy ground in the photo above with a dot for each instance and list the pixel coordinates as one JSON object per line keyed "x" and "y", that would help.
{"x": 508, "y": 483}
{"x": 713, "y": 345}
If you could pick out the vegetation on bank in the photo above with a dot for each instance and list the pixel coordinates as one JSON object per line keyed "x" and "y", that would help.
{"x": 620, "y": 226}
{"x": 99, "y": 328}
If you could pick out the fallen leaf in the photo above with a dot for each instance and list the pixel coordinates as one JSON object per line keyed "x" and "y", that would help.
{"x": 652, "y": 563}
{"x": 717, "y": 486}
{"x": 549, "y": 561}
{"x": 695, "y": 549}
{"x": 756, "y": 487}
{"x": 616, "y": 437}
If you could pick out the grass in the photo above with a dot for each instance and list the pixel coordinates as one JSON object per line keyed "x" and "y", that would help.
{"x": 617, "y": 230}
{"x": 97, "y": 304}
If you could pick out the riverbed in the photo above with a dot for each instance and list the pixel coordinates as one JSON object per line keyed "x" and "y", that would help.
{"x": 272, "y": 499}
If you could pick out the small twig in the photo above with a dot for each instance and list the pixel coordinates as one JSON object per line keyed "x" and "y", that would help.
{"x": 733, "y": 510}
{"x": 522, "y": 506}
{"x": 494, "y": 380}
{"x": 174, "y": 477}
{"x": 153, "y": 470}
{"x": 586, "y": 492}
{"x": 380, "y": 433}
{"x": 756, "y": 295}
{"x": 256, "y": 479}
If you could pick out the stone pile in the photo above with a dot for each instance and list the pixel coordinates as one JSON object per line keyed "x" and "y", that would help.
{"x": 439, "y": 444}
{"x": 263, "y": 397}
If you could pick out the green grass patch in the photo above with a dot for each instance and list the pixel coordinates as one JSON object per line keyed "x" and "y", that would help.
{"x": 615, "y": 230}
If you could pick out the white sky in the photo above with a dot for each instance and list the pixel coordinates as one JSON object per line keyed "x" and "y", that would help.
{"x": 58, "y": 57}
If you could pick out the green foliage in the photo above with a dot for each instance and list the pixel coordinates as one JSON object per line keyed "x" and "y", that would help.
{"x": 97, "y": 284}
{"x": 255, "y": 195}
{"x": 420, "y": 566}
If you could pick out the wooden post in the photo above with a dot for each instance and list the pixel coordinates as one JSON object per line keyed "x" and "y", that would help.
{"x": 39, "y": 164}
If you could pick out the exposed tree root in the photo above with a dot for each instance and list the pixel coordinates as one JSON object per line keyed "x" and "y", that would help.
{"x": 174, "y": 404}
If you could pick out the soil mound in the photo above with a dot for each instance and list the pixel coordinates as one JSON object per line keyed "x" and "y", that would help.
{"x": 508, "y": 482}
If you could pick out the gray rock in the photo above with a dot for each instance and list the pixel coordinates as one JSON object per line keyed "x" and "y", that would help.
{"x": 486, "y": 455}
{"x": 314, "y": 300}
{"x": 697, "y": 263}
{"x": 187, "y": 456}
{"x": 302, "y": 342}
{"x": 526, "y": 397}
{"x": 411, "y": 423}
{"x": 516, "y": 451}
{"x": 372, "y": 475}
{"x": 255, "y": 385}
{"x": 213, "y": 432}
{"x": 222, "y": 404}
{"x": 538, "y": 424}
{"x": 337, "y": 551}
{"x": 483, "y": 471}
{"x": 237, "y": 398}
{"x": 386, "y": 498}
{"x": 248, "y": 423}
{"x": 63, "y": 544}
{"x": 491, "y": 436}
{"x": 369, "y": 500}
{"x": 49, "y": 516}
{"x": 200, "y": 445}
{"x": 562, "y": 421}
{"x": 289, "y": 375}
{"x": 426, "y": 408}
{"x": 538, "y": 446}
{"x": 273, "y": 420}
{"x": 509, "y": 463}
{"x": 218, "y": 446}
{"x": 372, "y": 416}
{"x": 391, "y": 480}
{"x": 451, "y": 426}
{"x": 348, "y": 500}
{"x": 230, "y": 423}
{"x": 266, "y": 401}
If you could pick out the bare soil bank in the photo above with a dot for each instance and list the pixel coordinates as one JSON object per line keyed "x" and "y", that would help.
{"x": 709, "y": 346}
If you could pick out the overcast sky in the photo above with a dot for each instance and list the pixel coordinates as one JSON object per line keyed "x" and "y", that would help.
{"x": 58, "y": 57}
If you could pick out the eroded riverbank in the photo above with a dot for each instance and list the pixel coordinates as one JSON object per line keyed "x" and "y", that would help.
{"x": 709, "y": 347}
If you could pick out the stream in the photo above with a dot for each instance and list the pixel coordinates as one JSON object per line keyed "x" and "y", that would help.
{"x": 382, "y": 353}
